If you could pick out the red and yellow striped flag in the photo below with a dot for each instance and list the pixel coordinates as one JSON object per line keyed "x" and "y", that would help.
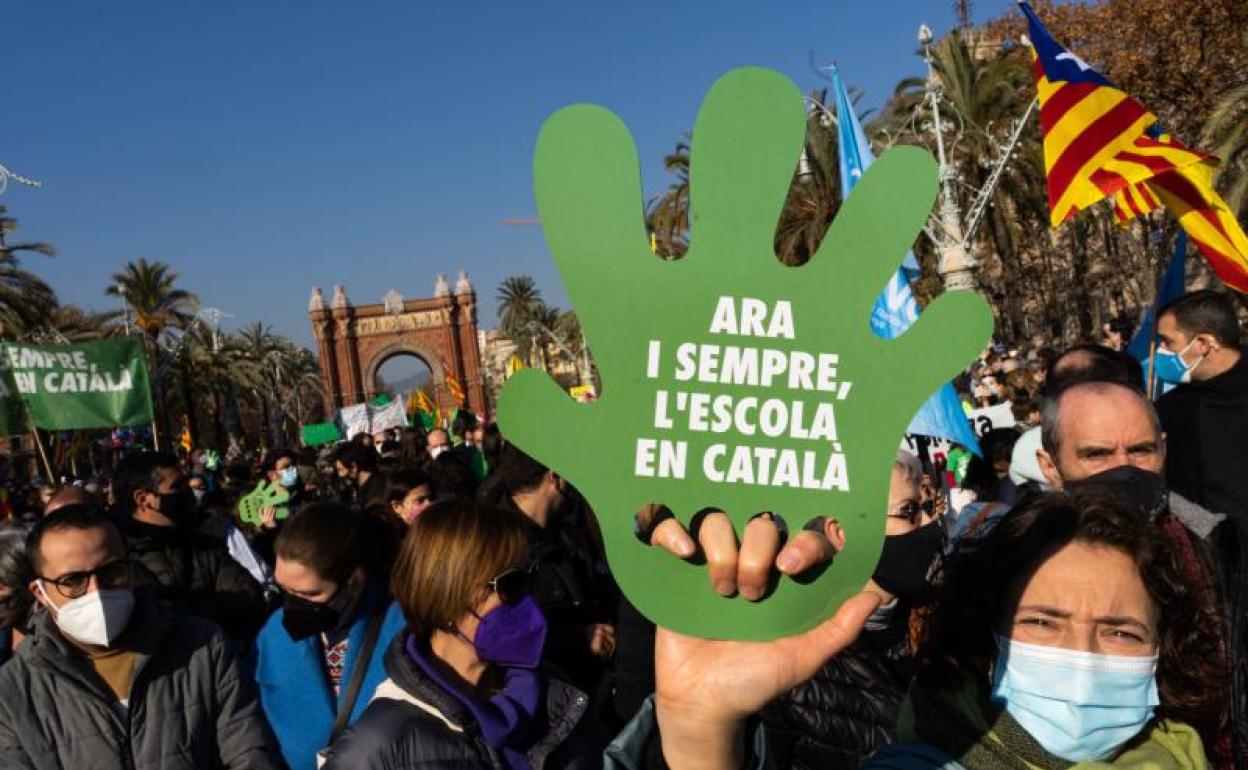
{"x": 1188, "y": 193}
{"x": 1097, "y": 145}
{"x": 457, "y": 390}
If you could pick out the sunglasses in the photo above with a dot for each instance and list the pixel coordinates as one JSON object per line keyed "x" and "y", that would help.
{"x": 911, "y": 510}
{"x": 512, "y": 584}
{"x": 72, "y": 585}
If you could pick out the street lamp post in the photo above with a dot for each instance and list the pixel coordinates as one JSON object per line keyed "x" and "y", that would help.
{"x": 957, "y": 266}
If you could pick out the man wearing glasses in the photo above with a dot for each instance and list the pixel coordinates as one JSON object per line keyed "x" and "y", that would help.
{"x": 113, "y": 679}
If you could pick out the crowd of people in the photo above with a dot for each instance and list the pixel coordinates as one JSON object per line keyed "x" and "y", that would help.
{"x": 1077, "y": 595}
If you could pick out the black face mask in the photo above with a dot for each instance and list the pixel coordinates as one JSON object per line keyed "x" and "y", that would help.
{"x": 180, "y": 507}
{"x": 1144, "y": 488}
{"x": 303, "y": 618}
{"x": 906, "y": 559}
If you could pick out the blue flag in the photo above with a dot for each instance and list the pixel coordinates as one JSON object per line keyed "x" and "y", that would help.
{"x": 896, "y": 309}
{"x": 1172, "y": 287}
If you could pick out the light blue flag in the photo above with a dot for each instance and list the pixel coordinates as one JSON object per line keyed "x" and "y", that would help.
{"x": 1172, "y": 287}
{"x": 896, "y": 309}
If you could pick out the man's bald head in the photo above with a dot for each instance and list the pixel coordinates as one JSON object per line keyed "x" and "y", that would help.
{"x": 1091, "y": 427}
{"x": 70, "y": 495}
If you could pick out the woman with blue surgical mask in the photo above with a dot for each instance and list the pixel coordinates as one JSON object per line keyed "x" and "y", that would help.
{"x": 1065, "y": 637}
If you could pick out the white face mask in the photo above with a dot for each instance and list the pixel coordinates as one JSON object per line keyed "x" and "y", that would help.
{"x": 434, "y": 451}
{"x": 96, "y": 618}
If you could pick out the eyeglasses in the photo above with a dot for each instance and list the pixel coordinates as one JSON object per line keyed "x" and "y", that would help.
{"x": 911, "y": 510}
{"x": 512, "y": 584}
{"x": 72, "y": 585}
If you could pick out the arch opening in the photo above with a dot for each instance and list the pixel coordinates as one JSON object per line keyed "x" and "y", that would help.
{"x": 400, "y": 373}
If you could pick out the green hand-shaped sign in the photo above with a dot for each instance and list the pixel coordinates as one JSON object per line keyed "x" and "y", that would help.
{"x": 729, "y": 380}
{"x": 266, "y": 495}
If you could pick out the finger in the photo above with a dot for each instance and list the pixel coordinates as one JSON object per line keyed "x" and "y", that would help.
{"x": 587, "y": 182}
{"x": 529, "y": 404}
{"x": 804, "y": 551}
{"x": 672, "y": 537}
{"x": 719, "y": 544}
{"x": 812, "y": 649}
{"x": 750, "y": 131}
{"x": 758, "y": 549}
{"x": 882, "y": 217}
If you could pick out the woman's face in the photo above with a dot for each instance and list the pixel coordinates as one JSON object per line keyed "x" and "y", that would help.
{"x": 414, "y": 503}
{"x": 902, "y": 493}
{"x": 1088, "y": 598}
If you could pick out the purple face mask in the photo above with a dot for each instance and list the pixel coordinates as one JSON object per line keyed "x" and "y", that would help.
{"x": 511, "y": 635}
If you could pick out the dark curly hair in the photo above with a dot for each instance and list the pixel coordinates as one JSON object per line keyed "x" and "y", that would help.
{"x": 981, "y": 581}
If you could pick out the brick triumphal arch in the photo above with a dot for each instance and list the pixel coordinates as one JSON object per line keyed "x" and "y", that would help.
{"x": 353, "y": 341}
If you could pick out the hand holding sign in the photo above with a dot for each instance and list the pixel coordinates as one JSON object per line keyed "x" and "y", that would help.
{"x": 731, "y": 381}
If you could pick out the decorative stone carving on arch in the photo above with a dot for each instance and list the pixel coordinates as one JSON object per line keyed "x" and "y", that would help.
{"x": 354, "y": 340}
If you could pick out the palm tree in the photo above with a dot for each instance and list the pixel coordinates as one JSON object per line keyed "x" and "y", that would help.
{"x": 26, "y": 302}
{"x": 667, "y": 214}
{"x": 1226, "y": 133}
{"x": 518, "y": 298}
{"x": 150, "y": 291}
{"x": 257, "y": 370}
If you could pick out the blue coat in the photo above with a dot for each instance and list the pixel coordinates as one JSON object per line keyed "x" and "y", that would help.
{"x": 294, "y": 688}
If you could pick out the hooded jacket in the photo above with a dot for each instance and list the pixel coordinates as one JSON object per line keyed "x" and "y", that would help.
{"x": 413, "y": 723}
{"x": 190, "y": 706}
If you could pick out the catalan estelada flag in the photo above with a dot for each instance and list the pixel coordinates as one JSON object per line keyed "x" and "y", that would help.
{"x": 1090, "y": 127}
{"x": 1100, "y": 143}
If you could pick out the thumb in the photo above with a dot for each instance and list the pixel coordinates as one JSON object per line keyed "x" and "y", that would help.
{"x": 813, "y": 648}
{"x": 536, "y": 415}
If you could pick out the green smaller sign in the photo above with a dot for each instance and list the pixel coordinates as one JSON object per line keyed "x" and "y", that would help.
{"x": 265, "y": 495}
{"x": 318, "y": 433}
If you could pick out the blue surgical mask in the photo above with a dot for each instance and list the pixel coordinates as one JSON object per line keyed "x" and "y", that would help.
{"x": 1080, "y": 706}
{"x": 1170, "y": 367}
{"x": 289, "y": 477}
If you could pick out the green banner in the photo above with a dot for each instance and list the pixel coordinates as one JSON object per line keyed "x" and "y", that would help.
{"x": 100, "y": 384}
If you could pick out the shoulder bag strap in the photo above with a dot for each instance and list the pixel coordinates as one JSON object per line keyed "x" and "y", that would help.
{"x": 346, "y": 701}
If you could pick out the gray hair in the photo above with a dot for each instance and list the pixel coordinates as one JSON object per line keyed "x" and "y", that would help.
{"x": 1051, "y": 413}
{"x": 909, "y": 467}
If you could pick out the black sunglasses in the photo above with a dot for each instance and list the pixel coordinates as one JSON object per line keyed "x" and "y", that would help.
{"x": 911, "y": 510}
{"x": 115, "y": 574}
{"x": 512, "y": 584}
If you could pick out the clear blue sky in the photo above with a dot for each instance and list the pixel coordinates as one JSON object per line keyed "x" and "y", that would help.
{"x": 264, "y": 146}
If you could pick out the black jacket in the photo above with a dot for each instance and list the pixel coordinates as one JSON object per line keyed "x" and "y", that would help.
{"x": 1205, "y": 425}
{"x": 573, "y": 594}
{"x": 412, "y": 722}
{"x": 844, "y": 712}
{"x": 190, "y": 706}
{"x": 195, "y": 573}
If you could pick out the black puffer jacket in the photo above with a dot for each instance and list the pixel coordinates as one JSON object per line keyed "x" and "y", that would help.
{"x": 195, "y": 573}
{"x": 190, "y": 707}
{"x": 842, "y": 714}
{"x": 414, "y": 723}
